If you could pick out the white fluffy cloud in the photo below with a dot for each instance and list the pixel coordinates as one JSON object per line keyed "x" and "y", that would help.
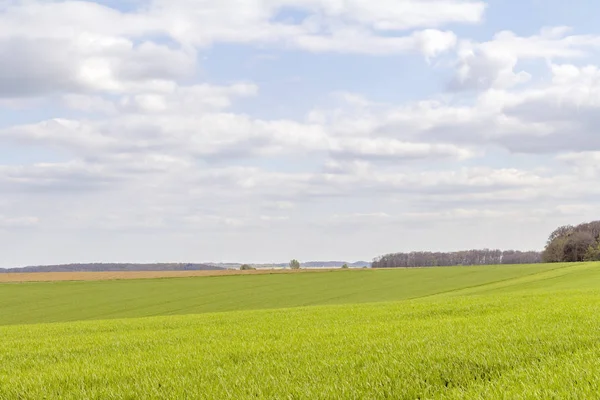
{"x": 49, "y": 47}
{"x": 492, "y": 64}
{"x": 87, "y": 63}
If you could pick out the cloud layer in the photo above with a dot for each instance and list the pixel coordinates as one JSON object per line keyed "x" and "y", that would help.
{"x": 116, "y": 144}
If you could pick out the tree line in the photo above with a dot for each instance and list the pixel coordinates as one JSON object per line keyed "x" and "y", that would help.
{"x": 467, "y": 257}
{"x": 573, "y": 243}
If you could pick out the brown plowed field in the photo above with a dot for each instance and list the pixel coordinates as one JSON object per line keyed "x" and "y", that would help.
{"x": 114, "y": 275}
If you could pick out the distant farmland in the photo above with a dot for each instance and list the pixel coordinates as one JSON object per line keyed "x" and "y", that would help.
{"x": 19, "y": 277}
{"x": 466, "y": 332}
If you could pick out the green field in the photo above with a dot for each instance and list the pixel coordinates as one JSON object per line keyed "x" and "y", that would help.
{"x": 467, "y": 332}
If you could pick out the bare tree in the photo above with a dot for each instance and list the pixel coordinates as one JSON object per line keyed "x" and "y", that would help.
{"x": 577, "y": 246}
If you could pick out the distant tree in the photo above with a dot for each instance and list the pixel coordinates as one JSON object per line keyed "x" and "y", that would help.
{"x": 555, "y": 250}
{"x": 294, "y": 264}
{"x": 577, "y": 245}
{"x": 246, "y": 267}
{"x": 593, "y": 253}
{"x": 345, "y": 266}
{"x": 468, "y": 257}
{"x": 560, "y": 232}
{"x": 574, "y": 243}
{"x": 592, "y": 227}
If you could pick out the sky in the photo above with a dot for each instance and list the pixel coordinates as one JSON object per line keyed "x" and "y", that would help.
{"x": 266, "y": 130}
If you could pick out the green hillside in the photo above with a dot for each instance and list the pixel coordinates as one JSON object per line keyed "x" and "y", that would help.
{"x": 73, "y": 301}
{"x": 527, "y": 332}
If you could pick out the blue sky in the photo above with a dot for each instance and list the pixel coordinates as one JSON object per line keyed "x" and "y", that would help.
{"x": 259, "y": 131}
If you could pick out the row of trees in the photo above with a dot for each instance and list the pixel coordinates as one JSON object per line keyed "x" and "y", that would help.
{"x": 294, "y": 264}
{"x": 468, "y": 257}
{"x": 574, "y": 243}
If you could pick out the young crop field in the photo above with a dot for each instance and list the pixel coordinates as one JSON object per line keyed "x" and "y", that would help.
{"x": 522, "y": 332}
{"x": 18, "y": 277}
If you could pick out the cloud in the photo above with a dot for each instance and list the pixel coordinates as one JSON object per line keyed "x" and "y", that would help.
{"x": 430, "y": 42}
{"x": 193, "y": 123}
{"x": 89, "y": 103}
{"x": 86, "y": 63}
{"x": 23, "y": 73}
{"x": 555, "y": 115}
{"x": 567, "y": 108}
{"x": 76, "y": 46}
{"x": 188, "y": 99}
{"x": 492, "y": 64}
{"x": 84, "y": 47}
{"x": 390, "y": 149}
{"x": 127, "y": 126}
{"x": 56, "y": 177}
{"x": 18, "y": 222}
{"x": 403, "y": 14}
{"x": 230, "y": 20}
{"x": 585, "y": 163}
{"x": 73, "y": 46}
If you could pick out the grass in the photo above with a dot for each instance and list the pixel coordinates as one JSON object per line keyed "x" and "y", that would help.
{"x": 460, "y": 333}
